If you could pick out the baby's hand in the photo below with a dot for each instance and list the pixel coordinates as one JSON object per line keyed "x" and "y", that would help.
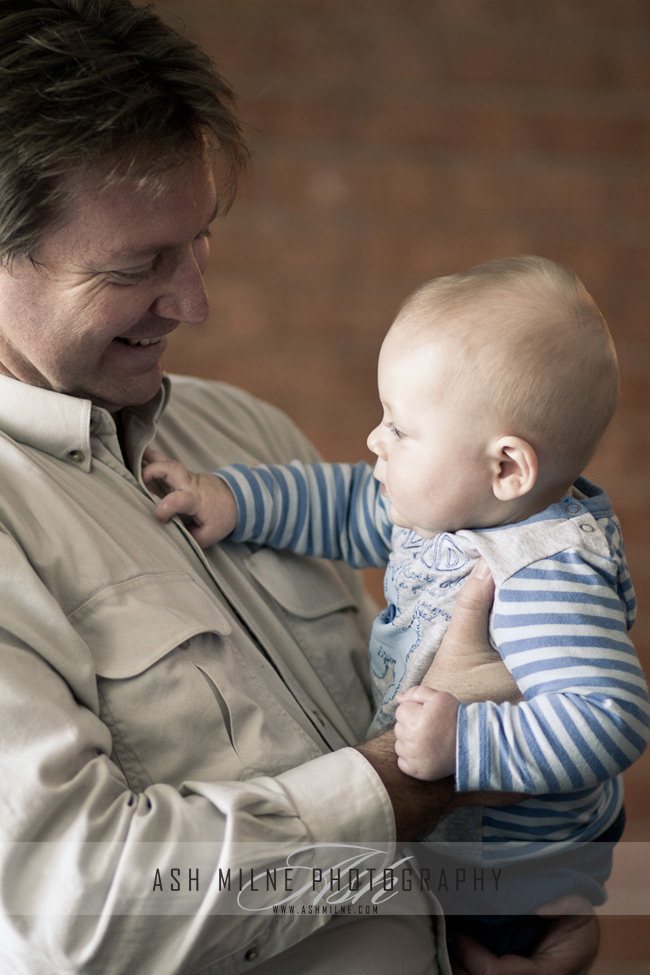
{"x": 205, "y": 498}
{"x": 425, "y": 733}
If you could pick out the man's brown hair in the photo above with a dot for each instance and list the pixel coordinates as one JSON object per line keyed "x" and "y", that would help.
{"x": 100, "y": 85}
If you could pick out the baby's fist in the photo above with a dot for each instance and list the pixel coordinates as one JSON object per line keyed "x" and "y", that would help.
{"x": 204, "y": 498}
{"x": 425, "y": 733}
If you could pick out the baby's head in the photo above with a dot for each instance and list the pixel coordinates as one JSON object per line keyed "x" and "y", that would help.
{"x": 497, "y": 385}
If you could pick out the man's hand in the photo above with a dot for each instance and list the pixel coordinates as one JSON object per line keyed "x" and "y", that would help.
{"x": 466, "y": 664}
{"x": 206, "y": 499}
{"x": 568, "y": 948}
{"x": 465, "y": 649}
{"x": 425, "y": 733}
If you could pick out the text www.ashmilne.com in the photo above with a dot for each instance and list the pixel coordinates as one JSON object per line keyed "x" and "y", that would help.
{"x": 326, "y": 909}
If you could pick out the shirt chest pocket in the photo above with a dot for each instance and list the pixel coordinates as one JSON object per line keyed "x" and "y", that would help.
{"x": 315, "y": 604}
{"x": 168, "y": 722}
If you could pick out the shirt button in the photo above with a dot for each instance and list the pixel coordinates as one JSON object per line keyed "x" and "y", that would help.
{"x": 77, "y": 456}
{"x": 587, "y": 528}
{"x": 184, "y": 645}
{"x": 252, "y": 954}
{"x": 94, "y": 426}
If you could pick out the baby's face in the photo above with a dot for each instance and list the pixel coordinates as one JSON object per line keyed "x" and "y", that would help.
{"x": 431, "y": 444}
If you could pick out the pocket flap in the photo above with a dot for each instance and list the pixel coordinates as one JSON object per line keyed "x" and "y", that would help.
{"x": 304, "y": 586}
{"x": 131, "y": 625}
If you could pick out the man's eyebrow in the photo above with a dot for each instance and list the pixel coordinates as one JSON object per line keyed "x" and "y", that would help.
{"x": 160, "y": 248}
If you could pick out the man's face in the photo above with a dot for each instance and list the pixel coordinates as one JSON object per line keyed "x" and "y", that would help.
{"x": 111, "y": 281}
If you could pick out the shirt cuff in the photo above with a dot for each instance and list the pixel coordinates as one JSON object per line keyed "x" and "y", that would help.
{"x": 340, "y": 798}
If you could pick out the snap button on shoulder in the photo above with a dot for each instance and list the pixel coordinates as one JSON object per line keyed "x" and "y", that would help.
{"x": 573, "y": 508}
{"x": 76, "y": 456}
{"x": 587, "y": 528}
{"x": 252, "y": 954}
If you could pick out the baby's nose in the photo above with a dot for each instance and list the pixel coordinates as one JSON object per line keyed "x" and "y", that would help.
{"x": 374, "y": 441}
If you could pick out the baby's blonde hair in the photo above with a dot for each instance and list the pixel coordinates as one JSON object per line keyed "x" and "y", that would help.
{"x": 541, "y": 359}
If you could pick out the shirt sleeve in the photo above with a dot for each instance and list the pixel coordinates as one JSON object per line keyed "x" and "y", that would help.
{"x": 561, "y": 630}
{"x": 334, "y": 511}
{"x": 80, "y": 850}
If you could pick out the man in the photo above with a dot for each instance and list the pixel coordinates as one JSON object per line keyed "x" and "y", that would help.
{"x": 164, "y": 713}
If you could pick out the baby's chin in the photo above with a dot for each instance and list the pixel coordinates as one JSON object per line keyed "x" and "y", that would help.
{"x": 400, "y": 522}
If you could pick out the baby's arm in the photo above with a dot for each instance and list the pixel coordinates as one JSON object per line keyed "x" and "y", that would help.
{"x": 584, "y": 717}
{"x": 205, "y": 498}
{"x": 425, "y": 733}
{"x": 333, "y": 511}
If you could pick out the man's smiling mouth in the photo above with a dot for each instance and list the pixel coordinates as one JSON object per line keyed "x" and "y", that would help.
{"x": 153, "y": 341}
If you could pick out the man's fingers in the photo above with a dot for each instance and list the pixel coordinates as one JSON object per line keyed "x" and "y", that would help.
{"x": 569, "y": 904}
{"x": 466, "y": 664}
{"x": 471, "y": 957}
{"x": 418, "y": 693}
{"x": 469, "y": 621}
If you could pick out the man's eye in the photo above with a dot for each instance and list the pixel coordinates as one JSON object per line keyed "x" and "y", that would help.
{"x": 135, "y": 277}
{"x": 131, "y": 277}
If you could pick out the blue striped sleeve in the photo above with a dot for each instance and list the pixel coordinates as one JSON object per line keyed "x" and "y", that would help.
{"x": 561, "y": 629}
{"x": 335, "y": 511}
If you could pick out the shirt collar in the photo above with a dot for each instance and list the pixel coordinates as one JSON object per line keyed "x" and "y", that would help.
{"x": 61, "y": 425}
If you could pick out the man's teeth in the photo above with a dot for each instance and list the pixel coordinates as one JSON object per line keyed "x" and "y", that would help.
{"x": 153, "y": 341}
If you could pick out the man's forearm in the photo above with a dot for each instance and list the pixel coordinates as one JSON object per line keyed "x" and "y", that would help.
{"x": 418, "y": 805}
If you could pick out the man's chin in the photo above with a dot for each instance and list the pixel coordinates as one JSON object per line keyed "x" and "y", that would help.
{"x": 121, "y": 399}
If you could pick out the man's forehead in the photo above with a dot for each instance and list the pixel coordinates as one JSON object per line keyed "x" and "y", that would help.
{"x": 129, "y": 218}
{"x": 151, "y": 240}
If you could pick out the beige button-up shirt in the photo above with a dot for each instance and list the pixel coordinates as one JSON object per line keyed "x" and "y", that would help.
{"x": 166, "y": 714}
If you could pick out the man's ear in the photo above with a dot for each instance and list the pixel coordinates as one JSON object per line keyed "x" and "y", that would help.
{"x": 515, "y": 468}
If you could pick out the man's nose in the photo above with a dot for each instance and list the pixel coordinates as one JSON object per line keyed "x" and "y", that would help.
{"x": 184, "y": 297}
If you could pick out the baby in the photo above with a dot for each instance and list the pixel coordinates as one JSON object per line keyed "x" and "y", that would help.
{"x": 497, "y": 384}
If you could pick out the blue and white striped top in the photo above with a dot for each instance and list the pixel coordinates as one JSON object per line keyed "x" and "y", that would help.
{"x": 563, "y": 606}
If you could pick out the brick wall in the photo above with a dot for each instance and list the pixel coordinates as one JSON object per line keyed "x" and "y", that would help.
{"x": 395, "y": 140}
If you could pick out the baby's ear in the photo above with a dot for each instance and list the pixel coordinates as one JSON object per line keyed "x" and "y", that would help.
{"x": 514, "y": 464}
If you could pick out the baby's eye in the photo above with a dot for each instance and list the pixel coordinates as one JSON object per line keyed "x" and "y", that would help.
{"x": 393, "y": 429}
